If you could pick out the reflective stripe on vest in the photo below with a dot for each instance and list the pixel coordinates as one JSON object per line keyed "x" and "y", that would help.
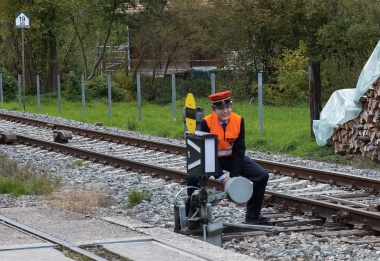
{"x": 224, "y": 153}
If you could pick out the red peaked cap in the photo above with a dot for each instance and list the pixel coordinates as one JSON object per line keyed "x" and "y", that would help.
{"x": 220, "y": 98}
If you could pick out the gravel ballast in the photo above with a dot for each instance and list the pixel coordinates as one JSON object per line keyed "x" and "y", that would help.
{"x": 158, "y": 211}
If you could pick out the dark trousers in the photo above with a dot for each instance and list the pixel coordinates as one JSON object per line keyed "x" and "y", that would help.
{"x": 252, "y": 171}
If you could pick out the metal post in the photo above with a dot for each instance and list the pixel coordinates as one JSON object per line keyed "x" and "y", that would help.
{"x": 19, "y": 89}
{"x": 128, "y": 51}
{"x": 212, "y": 83}
{"x": 138, "y": 96}
{"x": 1, "y": 89}
{"x": 59, "y": 94}
{"x": 38, "y": 93}
{"x": 83, "y": 98}
{"x": 315, "y": 93}
{"x": 109, "y": 97}
{"x": 174, "y": 95}
{"x": 23, "y": 67}
{"x": 260, "y": 83}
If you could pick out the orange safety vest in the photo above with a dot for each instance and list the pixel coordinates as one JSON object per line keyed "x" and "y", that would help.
{"x": 226, "y": 138}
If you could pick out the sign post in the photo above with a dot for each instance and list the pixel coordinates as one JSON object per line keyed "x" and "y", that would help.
{"x": 22, "y": 21}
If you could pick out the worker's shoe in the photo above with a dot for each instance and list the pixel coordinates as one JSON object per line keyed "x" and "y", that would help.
{"x": 260, "y": 219}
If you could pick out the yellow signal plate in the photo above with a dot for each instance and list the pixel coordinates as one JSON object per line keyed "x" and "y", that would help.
{"x": 190, "y": 113}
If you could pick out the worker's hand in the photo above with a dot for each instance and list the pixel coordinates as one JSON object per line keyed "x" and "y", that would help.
{"x": 224, "y": 181}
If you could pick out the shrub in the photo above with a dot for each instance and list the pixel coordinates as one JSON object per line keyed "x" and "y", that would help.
{"x": 74, "y": 89}
{"x": 337, "y": 73}
{"x": 10, "y": 85}
{"x": 14, "y": 187}
{"x": 240, "y": 87}
{"x": 127, "y": 84}
{"x": 98, "y": 88}
{"x": 25, "y": 180}
{"x": 292, "y": 81}
{"x": 42, "y": 184}
{"x": 162, "y": 91}
{"x": 199, "y": 87}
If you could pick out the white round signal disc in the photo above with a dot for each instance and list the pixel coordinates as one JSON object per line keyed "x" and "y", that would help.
{"x": 239, "y": 189}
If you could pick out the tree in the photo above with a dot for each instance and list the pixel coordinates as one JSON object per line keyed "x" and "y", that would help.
{"x": 346, "y": 41}
{"x": 165, "y": 34}
{"x": 292, "y": 81}
{"x": 245, "y": 33}
{"x": 40, "y": 39}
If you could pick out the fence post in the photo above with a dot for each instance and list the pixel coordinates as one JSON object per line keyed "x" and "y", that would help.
{"x": 83, "y": 98}
{"x": 59, "y": 94}
{"x": 260, "y": 86}
{"x": 19, "y": 90}
{"x": 212, "y": 83}
{"x": 174, "y": 95}
{"x": 138, "y": 97}
{"x": 1, "y": 89}
{"x": 38, "y": 93}
{"x": 109, "y": 97}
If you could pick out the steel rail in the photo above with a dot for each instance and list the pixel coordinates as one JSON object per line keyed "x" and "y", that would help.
{"x": 51, "y": 238}
{"x": 330, "y": 177}
{"x": 101, "y": 135}
{"x": 117, "y": 162}
{"x": 343, "y": 213}
{"x": 104, "y": 159}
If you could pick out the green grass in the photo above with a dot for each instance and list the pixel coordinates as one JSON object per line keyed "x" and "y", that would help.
{"x": 286, "y": 130}
{"x": 135, "y": 197}
{"x": 24, "y": 180}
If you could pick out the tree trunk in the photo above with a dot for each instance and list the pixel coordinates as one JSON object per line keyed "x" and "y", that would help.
{"x": 82, "y": 48}
{"x": 137, "y": 67}
{"x": 105, "y": 42}
{"x": 53, "y": 68}
{"x": 169, "y": 59}
{"x": 67, "y": 52}
{"x": 16, "y": 48}
{"x": 30, "y": 64}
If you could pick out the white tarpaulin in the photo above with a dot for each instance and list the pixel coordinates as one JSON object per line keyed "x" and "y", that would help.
{"x": 344, "y": 105}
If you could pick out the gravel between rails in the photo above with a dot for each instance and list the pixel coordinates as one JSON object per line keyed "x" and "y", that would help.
{"x": 159, "y": 210}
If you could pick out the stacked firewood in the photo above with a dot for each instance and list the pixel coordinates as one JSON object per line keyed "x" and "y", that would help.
{"x": 362, "y": 134}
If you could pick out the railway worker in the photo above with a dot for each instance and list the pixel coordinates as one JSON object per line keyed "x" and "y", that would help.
{"x": 230, "y": 129}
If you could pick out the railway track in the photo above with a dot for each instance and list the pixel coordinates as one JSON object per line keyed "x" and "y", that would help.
{"x": 53, "y": 242}
{"x": 342, "y": 198}
{"x": 70, "y": 236}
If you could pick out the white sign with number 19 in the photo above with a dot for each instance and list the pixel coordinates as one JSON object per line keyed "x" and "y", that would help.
{"x": 22, "y": 20}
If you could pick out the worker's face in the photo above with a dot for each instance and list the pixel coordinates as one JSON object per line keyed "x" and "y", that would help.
{"x": 223, "y": 112}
